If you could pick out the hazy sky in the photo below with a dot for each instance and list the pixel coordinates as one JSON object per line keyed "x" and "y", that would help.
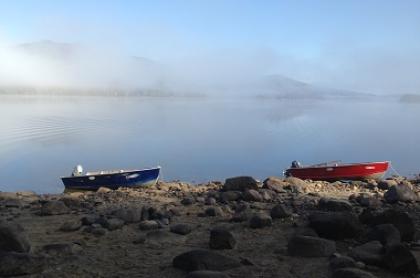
{"x": 364, "y": 45}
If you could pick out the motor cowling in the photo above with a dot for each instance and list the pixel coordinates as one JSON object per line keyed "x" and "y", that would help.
{"x": 77, "y": 171}
{"x": 296, "y": 164}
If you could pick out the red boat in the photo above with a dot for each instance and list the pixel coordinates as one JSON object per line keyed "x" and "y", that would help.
{"x": 334, "y": 171}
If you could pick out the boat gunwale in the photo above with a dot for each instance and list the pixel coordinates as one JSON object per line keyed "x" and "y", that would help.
{"x": 110, "y": 174}
{"x": 341, "y": 165}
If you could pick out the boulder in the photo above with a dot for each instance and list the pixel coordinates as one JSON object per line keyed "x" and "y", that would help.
{"x": 71, "y": 201}
{"x": 13, "y": 238}
{"x": 401, "y": 220}
{"x": 400, "y": 193}
{"x": 240, "y": 184}
{"x": 187, "y": 201}
{"x": 207, "y": 274}
{"x": 387, "y": 234}
{"x": 213, "y": 211}
{"x": 221, "y": 239}
{"x": 398, "y": 258}
{"x": 342, "y": 262}
{"x": 230, "y": 196}
{"x": 210, "y": 201}
{"x": 275, "y": 184}
{"x": 335, "y": 225}
{"x": 129, "y": 215}
{"x": 366, "y": 200}
{"x": 54, "y": 208}
{"x": 308, "y": 246}
{"x": 242, "y": 216}
{"x": 370, "y": 253}
{"x": 296, "y": 185}
{"x": 267, "y": 195}
{"x": 17, "y": 264}
{"x": 181, "y": 229}
{"x": 61, "y": 249}
{"x": 334, "y": 205}
{"x": 103, "y": 190}
{"x": 387, "y": 184}
{"x": 260, "y": 220}
{"x": 352, "y": 273}
{"x": 252, "y": 195}
{"x": 279, "y": 211}
{"x": 148, "y": 225}
{"x": 204, "y": 260}
{"x": 71, "y": 226}
{"x": 112, "y": 223}
{"x": 89, "y": 219}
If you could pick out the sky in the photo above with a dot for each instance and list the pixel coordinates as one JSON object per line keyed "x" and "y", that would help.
{"x": 370, "y": 46}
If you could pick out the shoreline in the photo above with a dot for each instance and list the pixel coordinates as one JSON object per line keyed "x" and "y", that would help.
{"x": 282, "y": 227}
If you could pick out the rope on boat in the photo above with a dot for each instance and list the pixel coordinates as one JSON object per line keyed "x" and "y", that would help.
{"x": 395, "y": 171}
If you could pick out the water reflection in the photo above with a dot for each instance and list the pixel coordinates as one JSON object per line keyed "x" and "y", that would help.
{"x": 42, "y": 138}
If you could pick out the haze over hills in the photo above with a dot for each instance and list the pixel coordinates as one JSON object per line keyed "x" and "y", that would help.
{"x": 64, "y": 68}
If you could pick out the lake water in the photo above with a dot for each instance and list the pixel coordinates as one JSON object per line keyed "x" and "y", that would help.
{"x": 43, "y": 138}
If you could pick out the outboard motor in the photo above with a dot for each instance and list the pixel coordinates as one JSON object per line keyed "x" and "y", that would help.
{"x": 296, "y": 164}
{"x": 77, "y": 171}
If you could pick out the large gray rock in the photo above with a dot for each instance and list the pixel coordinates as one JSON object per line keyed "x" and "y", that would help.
{"x": 71, "y": 225}
{"x": 13, "y": 238}
{"x": 275, "y": 184}
{"x": 335, "y": 225}
{"x": 329, "y": 204}
{"x": 367, "y": 200}
{"x": 129, "y": 215}
{"x": 352, "y": 273}
{"x": 17, "y": 264}
{"x": 213, "y": 211}
{"x": 401, "y": 220}
{"x": 387, "y": 234}
{"x": 252, "y": 195}
{"x": 54, "y": 208}
{"x": 308, "y": 246}
{"x": 230, "y": 196}
{"x": 398, "y": 258}
{"x": 61, "y": 249}
{"x": 400, "y": 193}
{"x": 342, "y": 262}
{"x": 148, "y": 225}
{"x": 204, "y": 260}
{"x": 387, "y": 184}
{"x": 181, "y": 229}
{"x": 260, "y": 220}
{"x": 240, "y": 183}
{"x": 370, "y": 253}
{"x": 296, "y": 185}
{"x": 112, "y": 223}
{"x": 279, "y": 211}
{"x": 187, "y": 201}
{"x": 221, "y": 239}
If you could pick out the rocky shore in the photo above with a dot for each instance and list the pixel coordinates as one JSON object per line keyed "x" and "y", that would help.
{"x": 237, "y": 228}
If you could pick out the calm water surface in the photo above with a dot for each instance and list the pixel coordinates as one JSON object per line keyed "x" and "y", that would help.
{"x": 43, "y": 138}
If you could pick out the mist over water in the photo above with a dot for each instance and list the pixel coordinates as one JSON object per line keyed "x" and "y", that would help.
{"x": 133, "y": 84}
{"x": 195, "y": 139}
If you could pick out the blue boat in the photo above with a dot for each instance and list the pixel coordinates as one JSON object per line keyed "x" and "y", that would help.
{"x": 111, "y": 179}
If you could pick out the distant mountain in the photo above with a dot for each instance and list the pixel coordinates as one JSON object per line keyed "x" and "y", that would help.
{"x": 279, "y": 86}
{"x": 137, "y": 75}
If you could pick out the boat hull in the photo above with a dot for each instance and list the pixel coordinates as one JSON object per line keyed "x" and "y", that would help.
{"x": 134, "y": 178}
{"x": 356, "y": 171}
